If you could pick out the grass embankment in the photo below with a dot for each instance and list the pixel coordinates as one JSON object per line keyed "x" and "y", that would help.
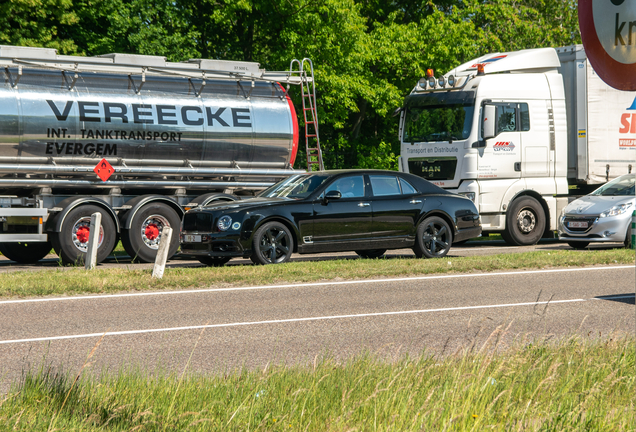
{"x": 572, "y": 385}
{"x": 78, "y": 280}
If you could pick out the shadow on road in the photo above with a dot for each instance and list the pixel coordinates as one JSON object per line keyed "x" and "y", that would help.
{"x": 629, "y": 298}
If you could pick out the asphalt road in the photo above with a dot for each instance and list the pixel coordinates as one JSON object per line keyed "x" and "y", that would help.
{"x": 254, "y": 326}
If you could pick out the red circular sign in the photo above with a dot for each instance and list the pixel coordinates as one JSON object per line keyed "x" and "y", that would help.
{"x": 612, "y": 30}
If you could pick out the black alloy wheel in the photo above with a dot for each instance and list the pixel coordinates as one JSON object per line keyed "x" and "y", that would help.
{"x": 25, "y": 252}
{"x": 213, "y": 261}
{"x": 272, "y": 244}
{"x": 578, "y": 244}
{"x": 371, "y": 253}
{"x": 434, "y": 238}
{"x": 71, "y": 243}
{"x": 525, "y": 222}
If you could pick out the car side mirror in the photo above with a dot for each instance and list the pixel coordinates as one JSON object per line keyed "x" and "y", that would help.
{"x": 489, "y": 122}
{"x": 332, "y": 194}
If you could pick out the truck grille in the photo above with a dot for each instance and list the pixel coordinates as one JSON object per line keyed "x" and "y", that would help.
{"x": 591, "y": 220}
{"x": 197, "y": 221}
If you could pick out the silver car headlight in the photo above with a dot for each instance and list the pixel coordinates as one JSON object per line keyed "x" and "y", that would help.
{"x": 469, "y": 195}
{"x": 224, "y": 223}
{"x": 616, "y": 210}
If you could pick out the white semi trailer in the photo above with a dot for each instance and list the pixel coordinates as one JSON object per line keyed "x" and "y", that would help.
{"x": 519, "y": 133}
{"x": 163, "y": 136}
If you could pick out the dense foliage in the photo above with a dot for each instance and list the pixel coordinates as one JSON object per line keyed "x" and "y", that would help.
{"x": 367, "y": 54}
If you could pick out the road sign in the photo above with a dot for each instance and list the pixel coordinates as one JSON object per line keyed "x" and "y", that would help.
{"x": 609, "y": 38}
{"x": 104, "y": 170}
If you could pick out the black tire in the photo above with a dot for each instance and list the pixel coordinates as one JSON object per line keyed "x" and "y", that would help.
{"x": 525, "y": 222}
{"x": 141, "y": 241}
{"x": 434, "y": 238}
{"x": 578, "y": 244}
{"x": 628, "y": 237}
{"x": 272, "y": 244}
{"x": 25, "y": 252}
{"x": 213, "y": 261}
{"x": 371, "y": 253}
{"x": 71, "y": 243}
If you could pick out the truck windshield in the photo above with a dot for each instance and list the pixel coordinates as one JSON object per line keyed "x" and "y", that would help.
{"x": 438, "y": 123}
{"x": 295, "y": 187}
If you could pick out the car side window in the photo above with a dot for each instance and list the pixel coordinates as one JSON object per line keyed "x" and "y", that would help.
{"x": 349, "y": 187}
{"x": 384, "y": 185}
{"x": 406, "y": 187}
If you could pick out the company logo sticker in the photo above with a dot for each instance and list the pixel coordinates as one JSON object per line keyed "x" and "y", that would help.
{"x": 490, "y": 60}
{"x": 503, "y": 146}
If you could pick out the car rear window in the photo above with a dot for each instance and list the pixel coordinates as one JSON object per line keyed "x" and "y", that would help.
{"x": 384, "y": 185}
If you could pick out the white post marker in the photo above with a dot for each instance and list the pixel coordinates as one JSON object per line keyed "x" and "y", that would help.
{"x": 90, "y": 261}
{"x": 162, "y": 253}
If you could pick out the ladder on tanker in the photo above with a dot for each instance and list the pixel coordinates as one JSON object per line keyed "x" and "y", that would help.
{"x": 310, "y": 113}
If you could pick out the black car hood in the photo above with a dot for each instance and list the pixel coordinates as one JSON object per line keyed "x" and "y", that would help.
{"x": 244, "y": 204}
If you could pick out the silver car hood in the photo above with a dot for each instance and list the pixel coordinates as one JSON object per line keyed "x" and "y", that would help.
{"x": 596, "y": 204}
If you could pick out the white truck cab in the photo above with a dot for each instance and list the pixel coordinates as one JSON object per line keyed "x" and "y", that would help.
{"x": 511, "y": 131}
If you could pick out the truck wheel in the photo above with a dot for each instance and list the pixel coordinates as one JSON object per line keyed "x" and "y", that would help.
{"x": 25, "y": 252}
{"x": 433, "y": 239}
{"x": 213, "y": 261}
{"x": 371, "y": 253}
{"x": 141, "y": 241}
{"x": 71, "y": 243}
{"x": 272, "y": 244}
{"x": 525, "y": 222}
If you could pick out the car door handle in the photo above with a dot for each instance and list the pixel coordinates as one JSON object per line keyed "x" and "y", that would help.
{"x": 364, "y": 205}
{"x": 414, "y": 201}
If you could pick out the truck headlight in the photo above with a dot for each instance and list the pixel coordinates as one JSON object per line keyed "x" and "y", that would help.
{"x": 224, "y": 223}
{"x": 616, "y": 210}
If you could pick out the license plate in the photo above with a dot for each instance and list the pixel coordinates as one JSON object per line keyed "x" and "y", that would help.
{"x": 577, "y": 224}
{"x": 191, "y": 238}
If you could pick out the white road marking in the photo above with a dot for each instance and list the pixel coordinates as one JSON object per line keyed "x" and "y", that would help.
{"x": 302, "y": 285}
{"x": 293, "y": 320}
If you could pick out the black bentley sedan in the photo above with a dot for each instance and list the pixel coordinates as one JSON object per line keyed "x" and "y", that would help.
{"x": 366, "y": 211}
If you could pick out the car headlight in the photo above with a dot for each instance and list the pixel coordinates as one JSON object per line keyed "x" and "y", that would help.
{"x": 616, "y": 210}
{"x": 469, "y": 195}
{"x": 224, "y": 223}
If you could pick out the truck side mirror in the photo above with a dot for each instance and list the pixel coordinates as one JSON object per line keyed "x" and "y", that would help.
{"x": 488, "y": 127}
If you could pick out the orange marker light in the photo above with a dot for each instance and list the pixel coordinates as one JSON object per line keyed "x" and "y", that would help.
{"x": 430, "y": 73}
{"x": 480, "y": 69}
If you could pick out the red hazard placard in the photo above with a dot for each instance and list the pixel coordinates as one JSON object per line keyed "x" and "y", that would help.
{"x": 104, "y": 170}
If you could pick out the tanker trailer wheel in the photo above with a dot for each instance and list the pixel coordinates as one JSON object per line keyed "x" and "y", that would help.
{"x": 25, "y": 252}
{"x": 525, "y": 222}
{"x": 141, "y": 241}
{"x": 71, "y": 243}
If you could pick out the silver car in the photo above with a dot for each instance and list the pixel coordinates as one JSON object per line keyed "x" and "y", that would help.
{"x": 603, "y": 216}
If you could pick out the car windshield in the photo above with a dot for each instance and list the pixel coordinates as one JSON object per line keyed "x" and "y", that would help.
{"x": 621, "y": 186}
{"x": 295, "y": 187}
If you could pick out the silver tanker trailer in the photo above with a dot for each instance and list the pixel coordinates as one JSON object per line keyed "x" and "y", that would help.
{"x": 136, "y": 138}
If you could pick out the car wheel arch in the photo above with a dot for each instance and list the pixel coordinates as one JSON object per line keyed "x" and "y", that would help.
{"x": 442, "y": 214}
{"x": 290, "y": 226}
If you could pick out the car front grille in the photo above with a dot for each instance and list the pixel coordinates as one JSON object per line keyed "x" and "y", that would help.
{"x": 591, "y": 220}
{"x": 198, "y": 221}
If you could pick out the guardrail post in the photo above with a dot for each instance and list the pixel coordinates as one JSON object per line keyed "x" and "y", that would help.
{"x": 162, "y": 253}
{"x": 93, "y": 241}
{"x": 633, "y": 236}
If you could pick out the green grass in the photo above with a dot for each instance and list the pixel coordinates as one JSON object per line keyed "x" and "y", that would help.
{"x": 570, "y": 385}
{"x": 77, "y": 280}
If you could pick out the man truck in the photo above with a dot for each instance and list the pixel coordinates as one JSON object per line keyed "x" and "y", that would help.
{"x": 137, "y": 139}
{"x": 519, "y": 133}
